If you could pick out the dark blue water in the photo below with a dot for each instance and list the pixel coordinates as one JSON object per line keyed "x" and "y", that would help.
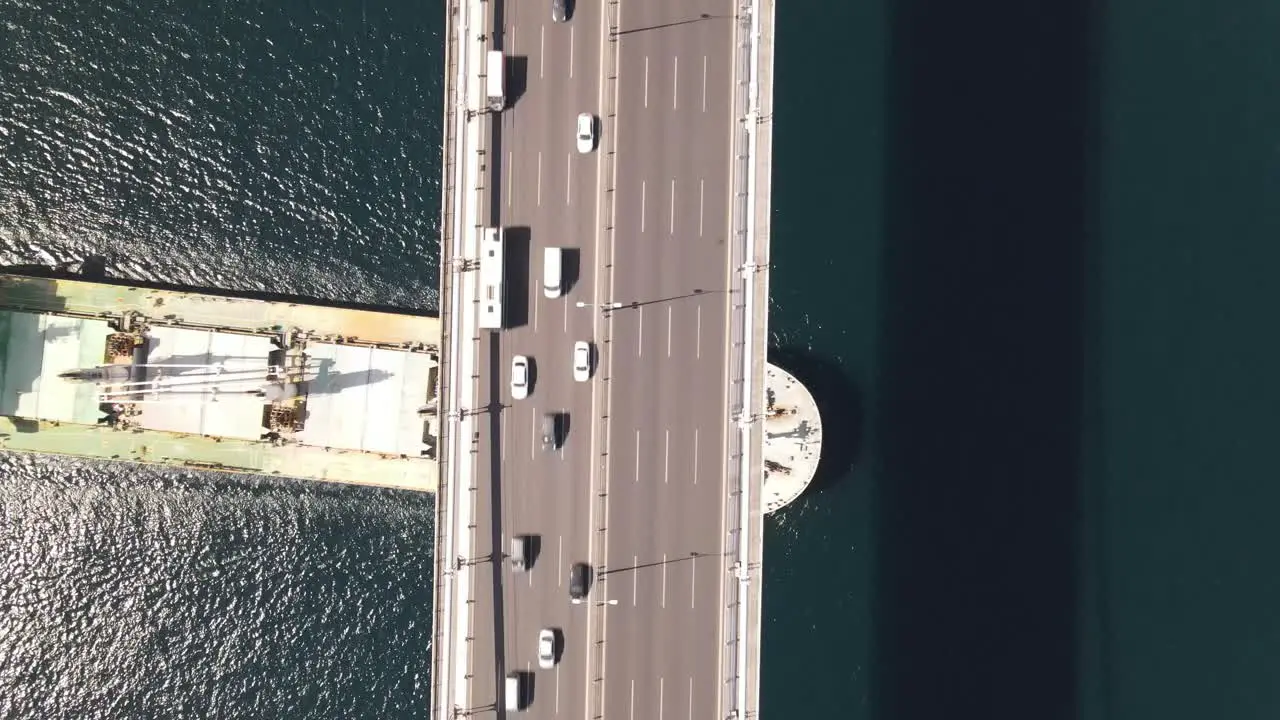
{"x": 1027, "y": 251}
{"x": 268, "y": 146}
{"x": 133, "y": 593}
{"x": 279, "y": 147}
{"x": 1024, "y": 254}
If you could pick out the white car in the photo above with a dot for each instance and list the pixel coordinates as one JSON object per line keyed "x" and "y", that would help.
{"x": 519, "y": 377}
{"x": 546, "y": 648}
{"x": 582, "y": 361}
{"x": 586, "y": 133}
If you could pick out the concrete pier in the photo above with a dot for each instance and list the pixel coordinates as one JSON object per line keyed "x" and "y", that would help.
{"x": 793, "y": 439}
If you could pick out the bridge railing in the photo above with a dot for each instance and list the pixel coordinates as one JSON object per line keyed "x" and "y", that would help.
{"x": 443, "y": 587}
{"x": 748, "y": 325}
{"x": 604, "y": 273}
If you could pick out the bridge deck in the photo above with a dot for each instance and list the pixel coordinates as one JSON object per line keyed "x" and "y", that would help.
{"x": 656, "y": 479}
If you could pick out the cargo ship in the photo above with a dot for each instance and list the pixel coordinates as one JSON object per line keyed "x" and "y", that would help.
{"x": 275, "y": 387}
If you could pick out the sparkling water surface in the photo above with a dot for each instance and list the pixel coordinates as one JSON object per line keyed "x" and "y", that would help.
{"x": 274, "y": 147}
{"x": 287, "y": 147}
{"x": 1024, "y": 255}
{"x": 134, "y": 592}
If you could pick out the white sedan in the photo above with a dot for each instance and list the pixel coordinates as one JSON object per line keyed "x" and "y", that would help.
{"x": 586, "y": 133}
{"x": 582, "y": 361}
{"x": 519, "y": 377}
{"x": 546, "y": 648}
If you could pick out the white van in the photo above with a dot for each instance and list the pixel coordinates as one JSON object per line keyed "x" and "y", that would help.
{"x": 552, "y": 275}
{"x": 513, "y": 692}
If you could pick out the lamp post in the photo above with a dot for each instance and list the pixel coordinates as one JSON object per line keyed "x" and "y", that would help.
{"x": 603, "y": 306}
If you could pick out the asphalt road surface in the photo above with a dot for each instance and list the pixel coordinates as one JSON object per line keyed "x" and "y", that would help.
{"x": 669, "y": 361}
{"x": 663, "y": 372}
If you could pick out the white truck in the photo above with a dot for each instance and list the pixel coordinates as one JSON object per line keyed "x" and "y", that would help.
{"x": 493, "y": 81}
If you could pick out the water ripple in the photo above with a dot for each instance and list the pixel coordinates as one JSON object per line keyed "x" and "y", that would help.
{"x": 138, "y": 592}
{"x": 257, "y": 146}
{"x": 283, "y": 147}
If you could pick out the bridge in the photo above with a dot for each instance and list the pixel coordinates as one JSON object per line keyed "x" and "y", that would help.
{"x": 611, "y": 496}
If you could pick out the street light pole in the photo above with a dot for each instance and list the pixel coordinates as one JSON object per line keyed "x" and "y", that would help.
{"x": 602, "y": 306}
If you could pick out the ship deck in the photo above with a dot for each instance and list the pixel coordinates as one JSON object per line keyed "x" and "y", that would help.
{"x": 363, "y": 411}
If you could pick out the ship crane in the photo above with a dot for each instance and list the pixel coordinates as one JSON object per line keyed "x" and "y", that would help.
{"x": 118, "y": 384}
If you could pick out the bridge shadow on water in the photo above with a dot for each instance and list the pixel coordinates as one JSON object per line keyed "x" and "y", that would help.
{"x": 989, "y": 199}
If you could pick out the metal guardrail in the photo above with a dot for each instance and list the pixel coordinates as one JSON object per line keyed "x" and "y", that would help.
{"x": 442, "y": 595}
{"x": 604, "y": 275}
{"x": 742, "y": 376}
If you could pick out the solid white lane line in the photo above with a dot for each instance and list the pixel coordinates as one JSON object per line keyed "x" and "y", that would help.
{"x": 697, "y": 343}
{"x": 646, "y": 81}
{"x": 672, "y": 228}
{"x": 660, "y": 694}
{"x": 559, "y": 561}
{"x": 530, "y": 574}
{"x": 539, "y": 179}
{"x": 675, "y": 83}
{"x": 643, "y": 193}
{"x": 568, "y": 178}
{"x": 633, "y": 700}
{"x": 693, "y": 581}
{"x": 635, "y": 583}
{"x": 666, "y": 454}
{"x": 664, "y": 579}
{"x": 704, "y": 83}
{"x": 535, "y": 311}
{"x": 702, "y": 194}
{"x": 640, "y": 340}
{"x": 503, "y": 453}
{"x": 695, "y": 456}
{"x": 668, "y": 331}
{"x": 557, "y": 689}
{"x": 542, "y": 48}
{"x": 690, "y": 698}
{"x": 570, "y": 51}
{"x": 510, "y": 175}
{"x": 566, "y": 316}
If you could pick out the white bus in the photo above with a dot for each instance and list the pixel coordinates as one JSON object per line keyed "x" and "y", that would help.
{"x": 493, "y": 81}
{"x": 491, "y": 279}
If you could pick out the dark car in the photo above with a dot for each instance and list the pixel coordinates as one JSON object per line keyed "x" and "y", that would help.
{"x": 559, "y": 10}
{"x": 579, "y": 581}
{"x": 549, "y": 430}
